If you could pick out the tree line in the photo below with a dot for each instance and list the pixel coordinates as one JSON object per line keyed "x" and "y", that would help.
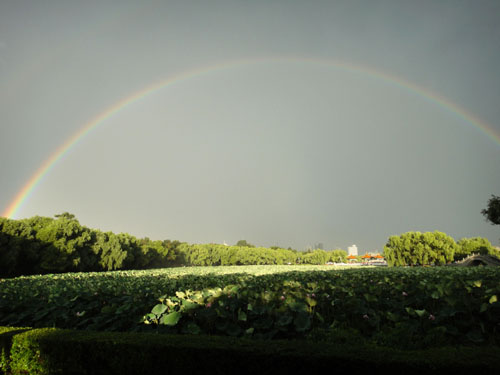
{"x": 437, "y": 248}
{"x": 41, "y": 245}
{"x": 433, "y": 248}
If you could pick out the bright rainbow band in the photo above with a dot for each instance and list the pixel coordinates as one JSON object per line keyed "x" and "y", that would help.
{"x": 430, "y": 96}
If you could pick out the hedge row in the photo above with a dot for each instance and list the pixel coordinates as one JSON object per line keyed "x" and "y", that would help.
{"x": 53, "y": 351}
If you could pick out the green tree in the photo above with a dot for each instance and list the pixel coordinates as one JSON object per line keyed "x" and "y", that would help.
{"x": 109, "y": 248}
{"x": 475, "y": 245}
{"x": 317, "y": 256}
{"x": 415, "y": 248}
{"x": 66, "y": 241}
{"x": 492, "y": 213}
{"x": 66, "y": 215}
{"x": 19, "y": 250}
{"x": 170, "y": 251}
{"x": 338, "y": 256}
{"x": 244, "y": 243}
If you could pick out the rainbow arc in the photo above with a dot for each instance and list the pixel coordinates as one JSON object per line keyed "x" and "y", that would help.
{"x": 58, "y": 154}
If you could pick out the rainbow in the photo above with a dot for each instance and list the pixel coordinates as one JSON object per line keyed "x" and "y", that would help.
{"x": 411, "y": 87}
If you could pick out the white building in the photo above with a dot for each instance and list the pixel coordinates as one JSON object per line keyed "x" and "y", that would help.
{"x": 352, "y": 250}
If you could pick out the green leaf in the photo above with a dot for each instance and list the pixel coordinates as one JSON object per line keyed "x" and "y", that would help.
{"x": 493, "y": 299}
{"x": 320, "y": 317}
{"x": 435, "y": 294}
{"x": 370, "y": 298}
{"x": 188, "y": 305}
{"x": 149, "y": 317}
{"x": 477, "y": 283}
{"x": 311, "y": 301}
{"x": 302, "y": 322}
{"x": 107, "y": 310}
{"x": 242, "y": 315}
{"x": 392, "y": 317}
{"x": 170, "y": 303}
{"x": 233, "y": 289}
{"x": 192, "y": 329}
{"x": 159, "y": 309}
{"x": 284, "y": 320}
{"x": 197, "y": 297}
{"x": 180, "y": 294}
{"x": 420, "y": 313}
{"x": 448, "y": 311}
{"x": 484, "y": 307}
{"x": 171, "y": 319}
{"x": 298, "y": 307}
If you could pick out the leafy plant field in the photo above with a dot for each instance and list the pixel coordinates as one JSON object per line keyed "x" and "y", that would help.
{"x": 404, "y": 307}
{"x": 111, "y": 301}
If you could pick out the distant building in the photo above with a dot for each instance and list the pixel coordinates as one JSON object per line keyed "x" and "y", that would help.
{"x": 352, "y": 259}
{"x": 352, "y": 250}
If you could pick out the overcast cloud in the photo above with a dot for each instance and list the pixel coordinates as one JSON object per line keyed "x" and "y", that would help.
{"x": 291, "y": 151}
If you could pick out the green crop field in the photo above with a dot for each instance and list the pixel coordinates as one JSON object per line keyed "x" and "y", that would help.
{"x": 410, "y": 307}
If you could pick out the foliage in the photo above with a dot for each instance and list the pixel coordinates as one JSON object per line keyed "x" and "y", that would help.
{"x": 475, "y": 245}
{"x": 492, "y": 213}
{"x": 415, "y": 248}
{"x": 317, "y": 256}
{"x": 57, "y": 351}
{"x": 107, "y": 300}
{"x": 66, "y": 241}
{"x": 398, "y": 307}
{"x": 338, "y": 256}
{"x": 404, "y": 307}
{"x": 244, "y": 243}
{"x": 41, "y": 245}
{"x": 44, "y": 245}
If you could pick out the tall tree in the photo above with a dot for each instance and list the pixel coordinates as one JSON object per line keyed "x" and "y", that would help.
{"x": 415, "y": 248}
{"x": 244, "y": 243}
{"x": 65, "y": 215}
{"x": 492, "y": 213}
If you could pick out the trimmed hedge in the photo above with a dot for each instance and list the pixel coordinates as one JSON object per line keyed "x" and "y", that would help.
{"x": 54, "y": 351}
